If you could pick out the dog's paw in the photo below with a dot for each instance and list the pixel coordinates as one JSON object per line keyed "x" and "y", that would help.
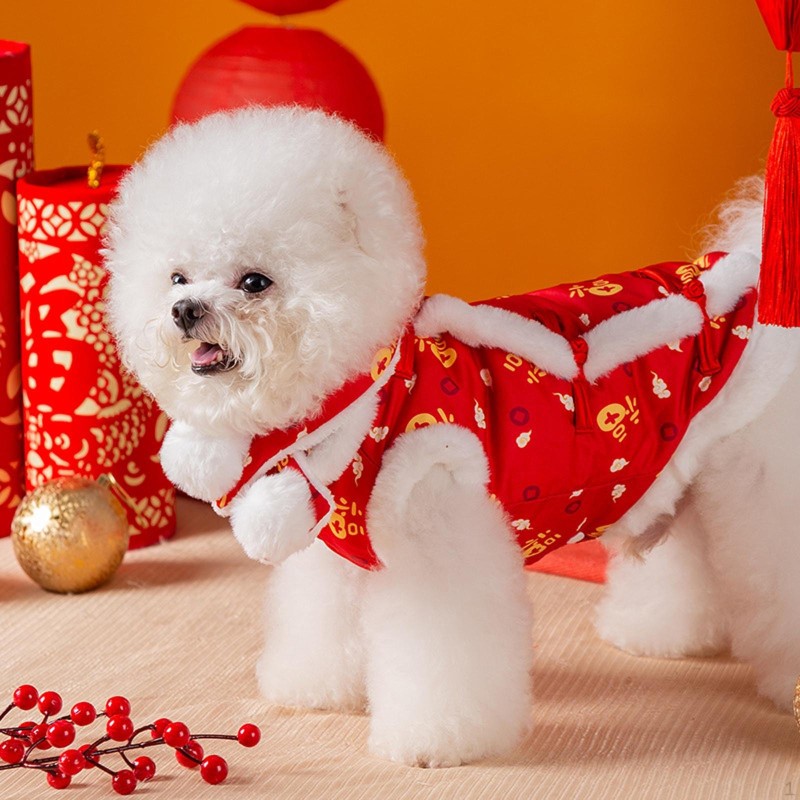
{"x": 203, "y": 466}
{"x": 289, "y": 683}
{"x": 642, "y": 630}
{"x": 274, "y": 518}
{"x": 411, "y": 756}
{"x": 441, "y": 742}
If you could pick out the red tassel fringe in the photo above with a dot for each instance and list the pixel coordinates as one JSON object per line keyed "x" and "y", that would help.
{"x": 779, "y": 286}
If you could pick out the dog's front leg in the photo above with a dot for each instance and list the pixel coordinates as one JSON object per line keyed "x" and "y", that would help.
{"x": 447, "y": 620}
{"x": 204, "y": 466}
{"x": 313, "y": 655}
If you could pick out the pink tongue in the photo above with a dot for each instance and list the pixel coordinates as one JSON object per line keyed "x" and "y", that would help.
{"x": 205, "y": 354}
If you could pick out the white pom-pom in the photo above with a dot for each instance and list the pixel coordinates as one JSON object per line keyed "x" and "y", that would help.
{"x": 203, "y": 466}
{"x": 274, "y": 518}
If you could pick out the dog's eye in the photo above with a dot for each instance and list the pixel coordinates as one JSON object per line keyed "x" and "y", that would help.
{"x": 254, "y": 282}
{"x": 177, "y": 279}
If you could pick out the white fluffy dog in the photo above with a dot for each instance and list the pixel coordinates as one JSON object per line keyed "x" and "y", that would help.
{"x": 259, "y": 260}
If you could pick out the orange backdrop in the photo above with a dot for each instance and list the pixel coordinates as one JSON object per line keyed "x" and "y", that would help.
{"x": 545, "y": 141}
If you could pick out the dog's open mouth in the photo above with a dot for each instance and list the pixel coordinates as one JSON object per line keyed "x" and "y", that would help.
{"x": 210, "y": 358}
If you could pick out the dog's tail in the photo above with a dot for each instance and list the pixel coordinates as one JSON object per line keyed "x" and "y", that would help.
{"x": 739, "y": 220}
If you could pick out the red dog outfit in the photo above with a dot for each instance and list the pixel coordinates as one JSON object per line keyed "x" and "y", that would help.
{"x": 566, "y": 458}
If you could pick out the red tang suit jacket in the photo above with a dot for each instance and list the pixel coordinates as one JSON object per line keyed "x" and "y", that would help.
{"x": 567, "y": 457}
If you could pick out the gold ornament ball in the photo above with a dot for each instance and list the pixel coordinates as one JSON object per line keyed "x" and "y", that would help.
{"x": 70, "y": 535}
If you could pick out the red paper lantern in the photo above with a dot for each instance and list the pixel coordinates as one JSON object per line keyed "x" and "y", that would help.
{"x": 282, "y": 8}
{"x": 16, "y": 158}
{"x": 273, "y": 66}
{"x": 84, "y": 414}
{"x": 782, "y": 18}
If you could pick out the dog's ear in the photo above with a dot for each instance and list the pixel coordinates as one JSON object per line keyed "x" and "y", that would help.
{"x": 349, "y": 219}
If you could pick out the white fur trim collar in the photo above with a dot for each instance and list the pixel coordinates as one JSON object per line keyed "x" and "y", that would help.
{"x": 622, "y": 338}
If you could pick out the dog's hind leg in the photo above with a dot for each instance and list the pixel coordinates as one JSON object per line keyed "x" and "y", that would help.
{"x": 748, "y": 497}
{"x": 447, "y": 620}
{"x": 313, "y": 655}
{"x": 665, "y": 603}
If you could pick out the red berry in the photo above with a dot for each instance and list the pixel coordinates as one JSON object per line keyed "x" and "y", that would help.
{"x": 214, "y": 769}
{"x": 118, "y": 705}
{"x": 158, "y": 727}
{"x": 119, "y": 727}
{"x": 86, "y": 751}
{"x": 61, "y": 733}
{"x": 123, "y": 782}
{"x": 71, "y": 762}
{"x": 190, "y": 755}
{"x": 83, "y": 713}
{"x": 249, "y": 735}
{"x": 144, "y": 768}
{"x": 25, "y": 697}
{"x": 11, "y": 751}
{"x": 58, "y": 780}
{"x": 38, "y": 733}
{"x": 176, "y": 734}
{"x": 50, "y": 703}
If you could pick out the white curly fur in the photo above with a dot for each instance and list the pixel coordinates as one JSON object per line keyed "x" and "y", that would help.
{"x": 438, "y": 643}
{"x": 297, "y": 195}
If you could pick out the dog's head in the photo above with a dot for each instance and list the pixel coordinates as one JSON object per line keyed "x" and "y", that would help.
{"x": 258, "y": 259}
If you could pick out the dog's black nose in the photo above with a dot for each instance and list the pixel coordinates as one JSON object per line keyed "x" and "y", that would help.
{"x": 187, "y": 313}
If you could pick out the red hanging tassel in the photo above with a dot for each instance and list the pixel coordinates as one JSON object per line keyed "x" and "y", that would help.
{"x": 779, "y": 285}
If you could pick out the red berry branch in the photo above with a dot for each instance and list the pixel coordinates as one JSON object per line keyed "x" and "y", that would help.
{"x": 26, "y": 739}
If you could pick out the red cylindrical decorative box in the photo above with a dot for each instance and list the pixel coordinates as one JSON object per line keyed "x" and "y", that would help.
{"x": 16, "y": 158}
{"x": 84, "y": 414}
{"x": 273, "y": 66}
